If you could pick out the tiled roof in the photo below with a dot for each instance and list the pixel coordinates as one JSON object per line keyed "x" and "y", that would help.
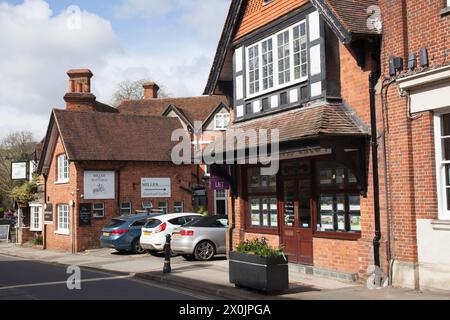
{"x": 94, "y": 136}
{"x": 309, "y": 122}
{"x": 353, "y": 14}
{"x": 194, "y": 108}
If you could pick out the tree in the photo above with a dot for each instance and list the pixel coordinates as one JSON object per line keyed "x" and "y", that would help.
{"x": 17, "y": 146}
{"x": 133, "y": 90}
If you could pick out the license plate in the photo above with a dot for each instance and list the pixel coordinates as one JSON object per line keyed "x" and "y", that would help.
{"x": 106, "y": 234}
{"x": 147, "y": 233}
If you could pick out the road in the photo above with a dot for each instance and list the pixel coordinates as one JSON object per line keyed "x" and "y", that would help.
{"x": 30, "y": 280}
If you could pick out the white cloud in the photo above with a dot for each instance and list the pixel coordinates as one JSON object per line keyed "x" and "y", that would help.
{"x": 41, "y": 48}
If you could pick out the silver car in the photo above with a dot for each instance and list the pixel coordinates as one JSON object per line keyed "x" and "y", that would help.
{"x": 201, "y": 239}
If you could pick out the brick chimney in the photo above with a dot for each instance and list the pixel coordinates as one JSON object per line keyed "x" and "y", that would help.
{"x": 150, "y": 90}
{"x": 79, "y": 96}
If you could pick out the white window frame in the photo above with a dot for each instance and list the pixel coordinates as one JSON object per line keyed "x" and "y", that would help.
{"x": 443, "y": 212}
{"x": 166, "y": 206}
{"x": 221, "y": 117}
{"x": 225, "y": 198}
{"x": 128, "y": 208}
{"x": 36, "y": 209}
{"x": 448, "y": 3}
{"x": 61, "y": 210}
{"x": 175, "y": 206}
{"x": 62, "y": 172}
{"x": 94, "y": 210}
{"x": 276, "y": 85}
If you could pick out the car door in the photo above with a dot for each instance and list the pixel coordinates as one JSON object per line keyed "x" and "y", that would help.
{"x": 218, "y": 233}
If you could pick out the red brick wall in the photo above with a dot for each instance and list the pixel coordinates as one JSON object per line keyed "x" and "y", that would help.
{"x": 409, "y": 26}
{"x": 59, "y": 194}
{"x": 130, "y": 182}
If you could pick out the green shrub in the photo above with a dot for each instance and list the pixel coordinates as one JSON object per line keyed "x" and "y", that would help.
{"x": 38, "y": 240}
{"x": 201, "y": 210}
{"x": 260, "y": 247}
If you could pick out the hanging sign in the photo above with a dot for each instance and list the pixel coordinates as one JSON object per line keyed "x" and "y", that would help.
{"x": 156, "y": 188}
{"x": 218, "y": 184}
{"x": 19, "y": 170}
{"x": 99, "y": 185}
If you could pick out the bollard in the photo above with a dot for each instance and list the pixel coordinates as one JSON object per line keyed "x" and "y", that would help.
{"x": 167, "y": 254}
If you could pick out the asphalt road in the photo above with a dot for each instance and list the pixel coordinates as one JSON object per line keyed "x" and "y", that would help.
{"x": 30, "y": 280}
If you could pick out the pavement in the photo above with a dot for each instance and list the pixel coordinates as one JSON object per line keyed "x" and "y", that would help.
{"x": 211, "y": 278}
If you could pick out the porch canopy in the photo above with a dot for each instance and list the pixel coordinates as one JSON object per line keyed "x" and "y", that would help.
{"x": 317, "y": 130}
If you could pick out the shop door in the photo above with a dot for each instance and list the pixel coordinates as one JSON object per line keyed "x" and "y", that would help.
{"x": 297, "y": 228}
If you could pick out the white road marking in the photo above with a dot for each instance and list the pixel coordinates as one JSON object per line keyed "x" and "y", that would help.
{"x": 44, "y": 284}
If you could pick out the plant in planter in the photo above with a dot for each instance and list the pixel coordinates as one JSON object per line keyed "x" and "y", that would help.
{"x": 258, "y": 266}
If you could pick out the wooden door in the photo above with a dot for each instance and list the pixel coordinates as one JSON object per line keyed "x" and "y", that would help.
{"x": 297, "y": 232}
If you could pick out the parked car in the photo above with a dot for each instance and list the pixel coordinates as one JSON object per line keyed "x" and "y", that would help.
{"x": 123, "y": 233}
{"x": 201, "y": 239}
{"x": 156, "y": 229}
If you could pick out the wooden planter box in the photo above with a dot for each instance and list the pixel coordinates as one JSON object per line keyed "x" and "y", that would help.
{"x": 259, "y": 273}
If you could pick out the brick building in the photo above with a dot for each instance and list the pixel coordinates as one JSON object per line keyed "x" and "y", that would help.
{"x": 416, "y": 113}
{"x": 303, "y": 67}
{"x": 98, "y": 162}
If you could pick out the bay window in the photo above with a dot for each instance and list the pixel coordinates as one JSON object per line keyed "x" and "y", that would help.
{"x": 277, "y": 61}
{"x": 442, "y": 142}
{"x": 339, "y": 202}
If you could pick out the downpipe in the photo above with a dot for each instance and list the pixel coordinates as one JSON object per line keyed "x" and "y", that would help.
{"x": 373, "y": 79}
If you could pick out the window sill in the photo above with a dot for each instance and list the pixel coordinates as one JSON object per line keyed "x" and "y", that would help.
{"x": 338, "y": 235}
{"x": 441, "y": 225}
{"x": 62, "y": 233}
{"x": 273, "y": 231}
{"x": 62, "y": 182}
{"x": 35, "y": 230}
{"x": 445, "y": 12}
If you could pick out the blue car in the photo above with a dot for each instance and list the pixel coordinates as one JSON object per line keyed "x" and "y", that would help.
{"x": 123, "y": 233}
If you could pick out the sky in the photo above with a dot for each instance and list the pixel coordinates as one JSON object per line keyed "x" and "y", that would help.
{"x": 171, "y": 42}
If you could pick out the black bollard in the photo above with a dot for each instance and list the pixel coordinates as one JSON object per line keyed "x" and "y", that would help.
{"x": 167, "y": 254}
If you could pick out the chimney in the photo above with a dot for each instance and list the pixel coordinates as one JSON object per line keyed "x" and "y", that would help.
{"x": 150, "y": 90}
{"x": 79, "y": 96}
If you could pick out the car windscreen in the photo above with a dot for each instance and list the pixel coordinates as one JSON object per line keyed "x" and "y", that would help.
{"x": 115, "y": 223}
{"x": 152, "y": 223}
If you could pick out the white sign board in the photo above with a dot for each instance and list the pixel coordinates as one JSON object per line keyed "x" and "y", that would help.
{"x": 99, "y": 185}
{"x": 4, "y": 233}
{"x": 156, "y": 188}
{"x": 19, "y": 171}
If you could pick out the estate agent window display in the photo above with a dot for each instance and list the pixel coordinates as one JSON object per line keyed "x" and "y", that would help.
{"x": 336, "y": 194}
{"x": 338, "y": 201}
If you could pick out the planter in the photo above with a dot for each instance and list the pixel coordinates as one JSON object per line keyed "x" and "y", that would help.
{"x": 259, "y": 273}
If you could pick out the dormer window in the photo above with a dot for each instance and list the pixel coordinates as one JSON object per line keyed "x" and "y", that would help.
{"x": 62, "y": 169}
{"x": 277, "y": 61}
{"x": 222, "y": 121}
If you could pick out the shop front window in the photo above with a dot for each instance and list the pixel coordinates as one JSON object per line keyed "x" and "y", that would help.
{"x": 339, "y": 202}
{"x": 262, "y": 200}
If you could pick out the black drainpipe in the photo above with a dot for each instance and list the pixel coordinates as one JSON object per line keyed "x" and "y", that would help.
{"x": 373, "y": 79}
{"x": 233, "y": 206}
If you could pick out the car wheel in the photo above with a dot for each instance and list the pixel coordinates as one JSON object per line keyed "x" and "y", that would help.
{"x": 188, "y": 257}
{"x": 136, "y": 247}
{"x": 153, "y": 252}
{"x": 204, "y": 251}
